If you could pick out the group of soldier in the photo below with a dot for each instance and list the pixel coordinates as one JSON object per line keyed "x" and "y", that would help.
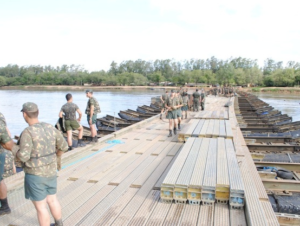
{"x": 39, "y": 147}
{"x": 226, "y": 91}
{"x": 177, "y": 103}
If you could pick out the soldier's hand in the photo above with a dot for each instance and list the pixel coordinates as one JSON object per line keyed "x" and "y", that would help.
{"x": 58, "y": 162}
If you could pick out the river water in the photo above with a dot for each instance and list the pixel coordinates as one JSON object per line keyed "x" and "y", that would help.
{"x": 111, "y": 102}
{"x": 50, "y": 102}
{"x": 286, "y": 103}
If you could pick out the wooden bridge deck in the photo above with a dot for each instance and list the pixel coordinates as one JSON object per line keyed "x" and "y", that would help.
{"x": 119, "y": 184}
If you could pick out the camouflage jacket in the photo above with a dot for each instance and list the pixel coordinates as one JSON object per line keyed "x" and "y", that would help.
{"x": 185, "y": 100}
{"x": 196, "y": 95}
{"x": 69, "y": 109}
{"x": 172, "y": 102}
{"x": 4, "y": 137}
{"x": 2, "y": 119}
{"x": 180, "y": 100}
{"x": 38, "y": 145}
{"x": 95, "y": 103}
{"x": 164, "y": 96}
{"x": 8, "y": 164}
{"x": 202, "y": 97}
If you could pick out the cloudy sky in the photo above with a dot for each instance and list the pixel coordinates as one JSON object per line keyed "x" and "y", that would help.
{"x": 93, "y": 33}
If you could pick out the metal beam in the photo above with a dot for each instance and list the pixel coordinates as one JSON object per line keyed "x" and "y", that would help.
{"x": 282, "y": 185}
{"x": 285, "y": 165}
{"x": 273, "y": 148}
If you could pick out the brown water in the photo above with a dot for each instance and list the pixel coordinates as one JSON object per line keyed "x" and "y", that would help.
{"x": 286, "y": 103}
{"x": 50, "y": 102}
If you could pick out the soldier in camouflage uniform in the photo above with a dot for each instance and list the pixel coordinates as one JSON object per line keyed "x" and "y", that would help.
{"x": 69, "y": 110}
{"x": 40, "y": 145}
{"x": 185, "y": 100}
{"x": 202, "y": 99}
{"x": 92, "y": 109}
{"x": 171, "y": 106}
{"x": 6, "y": 143}
{"x": 163, "y": 99}
{"x": 179, "y": 104}
{"x": 196, "y": 98}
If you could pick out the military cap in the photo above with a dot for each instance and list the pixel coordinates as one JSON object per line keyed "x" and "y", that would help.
{"x": 30, "y": 107}
{"x": 89, "y": 91}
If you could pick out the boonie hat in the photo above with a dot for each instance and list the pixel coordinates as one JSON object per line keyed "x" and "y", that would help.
{"x": 30, "y": 107}
{"x": 89, "y": 91}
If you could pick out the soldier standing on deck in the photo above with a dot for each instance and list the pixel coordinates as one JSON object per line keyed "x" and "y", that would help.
{"x": 202, "y": 100}
{"x": 185, "y": 100}
{"x": 196, "y": 98}
{"x": 172, "y": 113}
{"x": 70, "y": 109}
{"x": 5, "y": 143}
{"x": 163, "y": 99}
{"x": 179, "y": 104}
{"x": 40, "y": 145}
{"x": 92, "y": 109}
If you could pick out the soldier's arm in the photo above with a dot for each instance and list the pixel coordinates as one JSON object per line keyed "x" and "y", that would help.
{"x": 79, "y": 113}
{"x": 92, "y": 110}
{"x": 60, "y": 114}
{"x": 25, "y": 146}
{"x": 5, "y": 139}
{"x": 61, "y": 144}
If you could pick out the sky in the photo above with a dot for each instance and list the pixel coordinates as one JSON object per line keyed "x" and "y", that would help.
{"x": 93, "y": 33}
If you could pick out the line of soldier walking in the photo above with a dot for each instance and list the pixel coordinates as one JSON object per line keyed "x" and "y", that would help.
{"x": 179, "y": 102}
{"x": 39, "y": 149}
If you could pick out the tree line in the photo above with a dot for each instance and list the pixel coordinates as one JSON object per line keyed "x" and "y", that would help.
{"x": 233, "y": 71}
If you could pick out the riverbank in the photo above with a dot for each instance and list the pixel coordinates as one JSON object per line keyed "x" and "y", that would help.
{"x": 272, "y": 89}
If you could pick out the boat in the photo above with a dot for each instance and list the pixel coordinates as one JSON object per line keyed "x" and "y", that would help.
{"x": 111, "y": 123}
{"x": 147, "y": 114}
{"x": 134, "y": 115}
{"x": 128, "y": 117}
{"x": 112, "y": 118}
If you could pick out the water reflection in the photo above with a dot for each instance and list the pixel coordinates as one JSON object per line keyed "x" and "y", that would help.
{"x": 286, "y": 103}
{"x": 50, "y": 102}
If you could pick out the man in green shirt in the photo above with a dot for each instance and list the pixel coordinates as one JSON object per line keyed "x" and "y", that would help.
{"x": 92, "y": 109}
{"x": 179, "y": 104}
{"x": 163, "y": 99}
{"x": 71, "y": 123}
{"x": 185, "y": 100}
{"x": 202, "y": 99}
{"x": 196, "y": 99}
{"x": 5, "y": 143}
{"x": 40, "y": 145}
{"x": 171, "y": 106}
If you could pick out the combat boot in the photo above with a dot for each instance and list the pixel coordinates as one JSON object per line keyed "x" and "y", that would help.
{"x": 175, "y": 131}
{"x": 95, "y": 139}
{"x": 4, "y": 209}
{"x": 70, "y": 148}
{"x": 179, "y": 126}
{"x": 170, "y": 134}
{"x": 57, "y": 223}
{"x": 80, "y": 143}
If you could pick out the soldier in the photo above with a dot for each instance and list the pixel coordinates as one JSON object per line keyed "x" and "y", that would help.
{"x": 40, "y": 145}
{"x": 6, "y": 143}
{"x": 202, "y": 100}
{"x": 70, "y": 109}
{"x": 92, "y": 109}
{"x": 179, "y": 104}
{"x": 184, "y": 107}
{"x": 172, "y": 113}
{"x": 163, "y": 99}
{"x": 196, "y": 98}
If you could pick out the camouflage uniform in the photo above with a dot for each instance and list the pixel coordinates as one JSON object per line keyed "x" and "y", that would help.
{"x": 38, "y": 144}
{"x": 196, "y": 97}
{"x": 180, "y": 102}
{"x": 202, "y": 101}
{"x": 185, "y": 100}
{"x": 6, "y": 157}
{"x": 92, "y": 102}
{"x": 69, "y": 109}
{"x": 172, "y": 102}
{"x": 164, "y": 97}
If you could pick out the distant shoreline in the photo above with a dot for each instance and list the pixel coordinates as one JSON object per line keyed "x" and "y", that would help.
{"x": 272, "y": 89}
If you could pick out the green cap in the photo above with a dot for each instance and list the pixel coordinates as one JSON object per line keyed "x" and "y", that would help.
{"x": 89, "y": 91}
{"x": 30, "y": 107}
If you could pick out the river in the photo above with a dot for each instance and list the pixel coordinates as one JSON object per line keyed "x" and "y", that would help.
{"x": 111, "y": 102}
{"x": 286, "y": 103}
{"x": 50, "y": 102}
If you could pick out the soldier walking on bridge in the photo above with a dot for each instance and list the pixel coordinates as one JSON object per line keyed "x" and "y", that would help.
{"x": 202, "y": 99}
{"x": 6, "y": 143}
{"x": 179, "y": 104}
{"x": 196, "y": 98}
{"x": 69, "y": 110}
{"x": 185, "y": 100}
{"x": 40, "y": 145}
{"x": 163, "y": 99}
{"x": 171, "y": 106}
{"x": 92, "y": 109}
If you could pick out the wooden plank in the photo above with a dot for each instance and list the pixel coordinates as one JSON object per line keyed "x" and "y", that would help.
{"x": 190, "y": 216}
{"x": 183, "y": 180}
{"x": 204, "y": 129}
{"x": 221, "y": 115}
{"x": 177, "y": 148}
{"x": 221, "y": 216}
{"x": 159, "y": 214}
{"x": 237, "y": 217}
{"x": 174, "y": 215}
{"x": 206, "y": 215}
{"x": 195, "y": 186}
{"x": 210, "y": 128}
{"x": 198, "y": 128}
{"x": 229, "y": 133}
{"x": 222, "y": 128}
{"x": 161, "y": 146}
{"x": 216, "y": 129}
